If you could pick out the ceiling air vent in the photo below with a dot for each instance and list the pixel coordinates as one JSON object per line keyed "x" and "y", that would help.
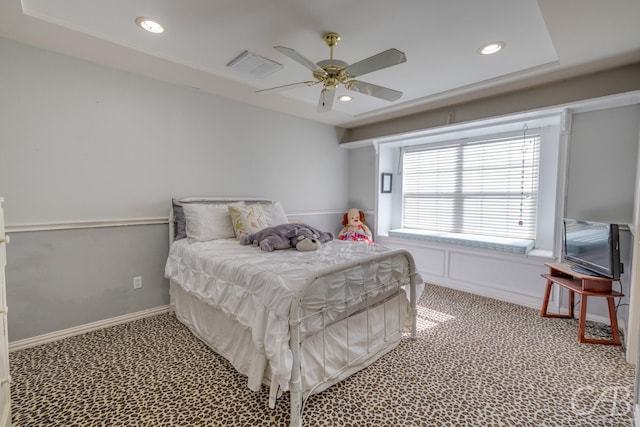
{"x": 254, "y": 65}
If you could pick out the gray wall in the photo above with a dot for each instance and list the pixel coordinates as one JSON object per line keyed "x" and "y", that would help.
{"x": 618, "y": 80}
{"x": 81, "y": 141}
{"x": 66, "y": 278}
{"x": 85, "y": 142}
{"x": 602, "y": 159}
{"x": 603, "y": 152}
{"x": 601, "y": 175}
{"x": 362, "y": 179}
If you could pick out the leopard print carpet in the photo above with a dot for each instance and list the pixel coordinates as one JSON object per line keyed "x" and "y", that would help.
{"x": 476, "y": 362}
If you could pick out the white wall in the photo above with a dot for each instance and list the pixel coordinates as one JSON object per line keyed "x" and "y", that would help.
{"x": 85, "y": 142}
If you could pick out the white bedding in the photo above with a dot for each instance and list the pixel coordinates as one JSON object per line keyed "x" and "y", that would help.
{"x": 256, "y": 288}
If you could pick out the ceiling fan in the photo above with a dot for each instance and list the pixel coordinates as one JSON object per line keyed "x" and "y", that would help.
{"x": 333, "y": 72}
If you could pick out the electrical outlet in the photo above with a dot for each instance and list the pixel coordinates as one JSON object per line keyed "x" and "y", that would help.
{"x": 137, "y": 282}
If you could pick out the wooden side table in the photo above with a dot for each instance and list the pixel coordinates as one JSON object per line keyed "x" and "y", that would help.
{"x": 586, "y": 286}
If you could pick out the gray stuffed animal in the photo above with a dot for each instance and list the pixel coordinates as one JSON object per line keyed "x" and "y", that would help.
{"x": 303, "y": 237}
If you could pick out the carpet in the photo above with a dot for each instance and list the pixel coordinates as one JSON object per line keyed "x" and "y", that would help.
{"x": 477, "y": 362}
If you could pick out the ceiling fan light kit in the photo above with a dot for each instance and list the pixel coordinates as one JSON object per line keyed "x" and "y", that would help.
{"x": 333, "y": 72}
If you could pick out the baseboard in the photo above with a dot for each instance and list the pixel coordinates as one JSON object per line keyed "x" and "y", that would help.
{"x": 484, "y": 291}
{"x": 512, "y": 297}
{"x": 82, "y": 329}
{"x": 622, "y": 326}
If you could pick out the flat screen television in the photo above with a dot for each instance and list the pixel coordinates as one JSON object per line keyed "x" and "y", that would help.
{"x": 593, "y": 247}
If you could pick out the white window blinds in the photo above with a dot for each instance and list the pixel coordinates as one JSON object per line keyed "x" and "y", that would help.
{"x": 486, "y": 187}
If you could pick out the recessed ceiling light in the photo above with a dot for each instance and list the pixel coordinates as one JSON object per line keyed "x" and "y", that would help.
{"x": 149, "y": 25}
{"x": 344, "y": 98}
{"x": 491, "y": 48}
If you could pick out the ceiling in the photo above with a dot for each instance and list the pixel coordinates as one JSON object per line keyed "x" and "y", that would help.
{"x": 546, "y": 40}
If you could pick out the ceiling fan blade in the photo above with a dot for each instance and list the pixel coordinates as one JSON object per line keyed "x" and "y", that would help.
{"x": 377, "y": 62}
{"x": 299, "y": 59}
{"x": 326, "y": 100}
{"x": 373, "y": 90}
{"x": 286, "y": 87}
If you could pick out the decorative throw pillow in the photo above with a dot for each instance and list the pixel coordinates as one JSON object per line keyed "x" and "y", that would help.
{"x": 275, "y": 213}
{"x": 206, "y": 222}
{"x": 248, "y": 219}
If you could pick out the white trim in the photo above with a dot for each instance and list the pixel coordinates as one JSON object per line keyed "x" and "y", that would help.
{"x": 501, "y": 244}
{"x": 70, "y": 225}
{"x": 636, "y": 418}
{"x": 622, "y": 326}
{"x": 73, "y": 225}
{"x": 6, "y": 413}
{"x": 316, "y": 212}
{"x": 82, "y": 329}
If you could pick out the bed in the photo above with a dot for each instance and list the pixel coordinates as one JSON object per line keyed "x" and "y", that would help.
{"x": 292, "y": 321}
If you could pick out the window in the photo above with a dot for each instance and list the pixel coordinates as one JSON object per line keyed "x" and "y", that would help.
{"x": 484, "y": 187}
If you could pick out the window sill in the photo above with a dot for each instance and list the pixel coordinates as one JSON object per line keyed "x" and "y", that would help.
{"x": 502, "y": 244}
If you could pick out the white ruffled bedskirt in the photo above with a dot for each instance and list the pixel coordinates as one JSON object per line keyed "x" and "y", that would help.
{"x": 255, "y": 290}
{"x": 321, "y": 365}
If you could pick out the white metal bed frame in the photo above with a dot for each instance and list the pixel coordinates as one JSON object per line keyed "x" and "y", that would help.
{"x": 296, "y": 316}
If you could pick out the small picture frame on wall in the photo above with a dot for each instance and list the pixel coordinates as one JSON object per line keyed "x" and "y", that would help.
{"x": 385, "y": 183}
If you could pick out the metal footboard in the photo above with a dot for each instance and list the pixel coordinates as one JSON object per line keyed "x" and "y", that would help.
{"x": 297, "y": 317}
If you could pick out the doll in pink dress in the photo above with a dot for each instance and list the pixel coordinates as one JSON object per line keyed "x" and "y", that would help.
{"x": 354, "y": 227}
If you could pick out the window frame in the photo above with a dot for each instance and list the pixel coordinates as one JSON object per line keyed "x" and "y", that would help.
{"x": 553, "y": 148}
{"x": 452, "y": 156}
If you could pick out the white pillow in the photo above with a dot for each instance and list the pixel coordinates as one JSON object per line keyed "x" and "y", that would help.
{"x": 206, "y": 222}
{"x": 275, "y": 213}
